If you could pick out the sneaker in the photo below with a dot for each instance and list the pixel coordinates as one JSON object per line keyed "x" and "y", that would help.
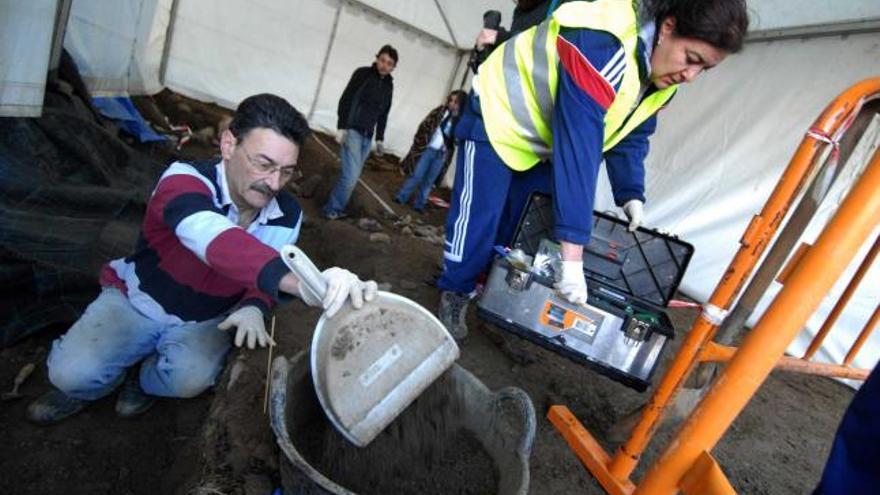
{"x": 398, "y": 200}
{"x": 132, "y": 400}
{"x": 335, "y": 215}
{"x": 53, "y": 406}
{"x": 453, "y": 313}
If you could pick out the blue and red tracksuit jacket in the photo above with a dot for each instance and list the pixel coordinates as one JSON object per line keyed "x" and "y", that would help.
{"x": 589, "y": 77}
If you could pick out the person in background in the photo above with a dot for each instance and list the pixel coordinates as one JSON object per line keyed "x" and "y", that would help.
{"x": 431, "y": 151}
{"x": 363, "y": 108}
{"x": 207, "y": 260}
{"x": 852, "y": 467}
{"x": 580, "y": 88}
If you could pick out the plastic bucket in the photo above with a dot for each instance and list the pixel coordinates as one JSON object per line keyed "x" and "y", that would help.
{"x": 501, "y": 422}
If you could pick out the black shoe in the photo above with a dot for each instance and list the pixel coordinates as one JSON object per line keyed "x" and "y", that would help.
{"x": 398, "y": 201}
{"x": 132, "y": 400}
{"x": 453, "y": 313}
{"x": 53, "y": 406}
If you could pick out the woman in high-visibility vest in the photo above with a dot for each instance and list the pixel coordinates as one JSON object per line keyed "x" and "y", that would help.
{"x": 554, "y": 101}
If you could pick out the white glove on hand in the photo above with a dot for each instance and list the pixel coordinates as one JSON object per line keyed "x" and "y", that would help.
{"x": 341, "y": 285}
{"x": 340, "y": 136}
{"x": 634, "y": 210}
{"x": 571, "y": 284}
{"x": 250, "y": 324}
{"x": 380, "y": 148}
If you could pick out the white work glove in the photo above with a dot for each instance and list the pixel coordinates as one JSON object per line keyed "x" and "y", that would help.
{"x": 340, "y": 136}
{"x": 634, "y": 210}
{"x": 341, "y": 285}
{"x": 571, "y": 283}
{"x": 250, "y": 325}
{"x": 380, "y": 148}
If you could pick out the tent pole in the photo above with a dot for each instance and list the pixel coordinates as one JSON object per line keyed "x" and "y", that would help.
{"x": 451, "y": 83}
{"x": 869, "y": 25}
{"x": 446, "y": 21}
{"x": 398, "y": 22}
{"x": 326, "y": 60}
{"x": 166, "y": 48}
{"x": 62, "y": 14}
{"x": 466, "y": 71}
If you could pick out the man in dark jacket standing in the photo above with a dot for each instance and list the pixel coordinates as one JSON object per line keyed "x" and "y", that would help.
{"x": 363, "y": 107}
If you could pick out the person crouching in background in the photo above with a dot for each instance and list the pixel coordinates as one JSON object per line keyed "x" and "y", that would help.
{"x": 431, "y": 151}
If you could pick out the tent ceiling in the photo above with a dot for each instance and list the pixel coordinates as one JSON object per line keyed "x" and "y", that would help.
{"x": 456, "y": 23}
{"x": 462, "y": 19}
{"x": 783, "y": 14}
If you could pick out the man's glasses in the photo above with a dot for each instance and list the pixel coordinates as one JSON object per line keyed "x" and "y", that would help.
{"x": 286, "y": 172}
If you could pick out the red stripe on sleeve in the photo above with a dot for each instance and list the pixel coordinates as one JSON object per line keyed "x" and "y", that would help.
{"x": 239, "y": 256}
{"x": 584, "y": 74}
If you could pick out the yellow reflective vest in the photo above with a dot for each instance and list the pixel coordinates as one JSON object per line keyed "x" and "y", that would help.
{"x": 517, "y": 84}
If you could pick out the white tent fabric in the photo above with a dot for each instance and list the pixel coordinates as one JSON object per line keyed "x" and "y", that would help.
{"x": 722, "y": 145}
{"x": 782, "y": 14}
{"x": 280, "y": 48}
{"x": 719, "y": 151}
{"x": 118, "y": 45}
{"x": 25, "y": 42}
{"x": 223, "y": 52}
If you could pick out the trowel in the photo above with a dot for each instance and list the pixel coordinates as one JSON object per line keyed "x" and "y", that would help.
{"x": 22, "y": 375}
{"x": 369, "y": 364}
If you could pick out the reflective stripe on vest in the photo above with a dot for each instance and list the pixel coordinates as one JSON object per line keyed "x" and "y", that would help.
{"x": 518, "y": 83}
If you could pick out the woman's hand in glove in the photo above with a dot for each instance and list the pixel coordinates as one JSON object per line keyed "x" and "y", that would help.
{"x": 571, "y": 284}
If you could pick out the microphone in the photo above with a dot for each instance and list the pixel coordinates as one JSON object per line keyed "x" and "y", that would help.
{"x": 491, "y": 19}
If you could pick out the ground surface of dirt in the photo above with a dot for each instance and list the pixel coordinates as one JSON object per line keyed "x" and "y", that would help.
{"x": 222, "y": 441}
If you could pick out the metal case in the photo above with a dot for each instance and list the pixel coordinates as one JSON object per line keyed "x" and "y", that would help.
{"x": 623, "y": 329}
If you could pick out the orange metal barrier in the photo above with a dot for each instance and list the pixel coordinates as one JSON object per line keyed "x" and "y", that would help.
{"x": 841, "y": 303}
{"x": 765, "y": 344}
{"x": 613, "y": 472}
{"x": 863, "y": 336}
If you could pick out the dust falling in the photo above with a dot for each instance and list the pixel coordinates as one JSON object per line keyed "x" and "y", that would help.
{"x": 426, "y": 450}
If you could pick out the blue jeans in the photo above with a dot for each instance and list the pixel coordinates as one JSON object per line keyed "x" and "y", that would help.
{"x": 423, "y": 177}
{"x": 355, "y": 150}
{"x": 89, "y": 361}
{"x": 487, "y": 200}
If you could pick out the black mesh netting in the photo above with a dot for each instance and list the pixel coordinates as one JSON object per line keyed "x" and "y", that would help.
{"x": 72, "y": 196}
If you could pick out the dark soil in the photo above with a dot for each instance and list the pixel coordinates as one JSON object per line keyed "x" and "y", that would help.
{"x": 221, "y": 442}
{"x": 95, "y": 452}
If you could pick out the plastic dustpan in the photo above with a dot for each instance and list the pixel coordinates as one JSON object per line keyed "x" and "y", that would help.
{"x": 369, "y": 364}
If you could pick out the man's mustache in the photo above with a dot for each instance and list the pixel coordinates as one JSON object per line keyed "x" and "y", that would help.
{"x": 264, "y": 189}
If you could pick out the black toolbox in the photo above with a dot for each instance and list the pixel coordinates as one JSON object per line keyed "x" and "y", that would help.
{"x": 631, "y": 277}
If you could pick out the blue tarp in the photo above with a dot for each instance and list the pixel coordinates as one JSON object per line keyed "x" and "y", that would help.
{"x": 123, "y": 110}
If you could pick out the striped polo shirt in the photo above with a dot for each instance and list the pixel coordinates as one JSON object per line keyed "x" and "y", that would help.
{"x": 192, "y": 261}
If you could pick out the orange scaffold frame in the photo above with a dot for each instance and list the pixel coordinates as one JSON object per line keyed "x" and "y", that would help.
{"x": 686, "y": 464}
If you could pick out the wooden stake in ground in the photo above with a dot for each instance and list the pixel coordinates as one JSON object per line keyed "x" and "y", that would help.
{"x": 269, "y": 367}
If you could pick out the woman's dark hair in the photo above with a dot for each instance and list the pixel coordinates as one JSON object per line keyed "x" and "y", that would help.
{"x": 721, "y": 23}
{"x": 459, "y": 96}
{"x": 388, "y": 50}
{"x": 269, "y": 111}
